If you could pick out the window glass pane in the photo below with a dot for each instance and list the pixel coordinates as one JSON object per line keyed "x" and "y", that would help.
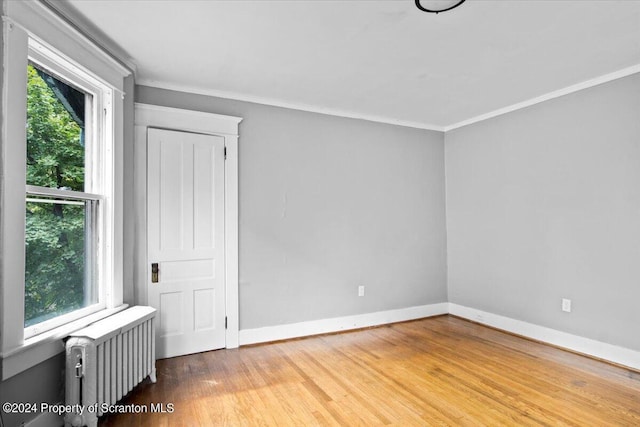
{"x": 59, "y": 250}
{"x": 55, "y": 132}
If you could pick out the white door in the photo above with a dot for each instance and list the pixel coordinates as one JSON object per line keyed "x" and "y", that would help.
{"x": 185, "y": 234}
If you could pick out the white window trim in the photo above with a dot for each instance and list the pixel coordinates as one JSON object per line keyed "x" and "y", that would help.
{"x": 32, "y": 22}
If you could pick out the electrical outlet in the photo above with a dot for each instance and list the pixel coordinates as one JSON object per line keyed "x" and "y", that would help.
{"x": 566, "y": 305}
{"x": 360, "y": 291}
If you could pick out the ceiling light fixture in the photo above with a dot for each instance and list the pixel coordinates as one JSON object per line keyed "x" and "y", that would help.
{"x": 439, "y": 5}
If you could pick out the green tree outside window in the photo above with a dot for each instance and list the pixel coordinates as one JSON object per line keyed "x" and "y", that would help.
{"x": 55, "y": 229}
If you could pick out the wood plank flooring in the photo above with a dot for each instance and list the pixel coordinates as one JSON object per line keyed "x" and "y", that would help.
{"x": 437, "y": 371}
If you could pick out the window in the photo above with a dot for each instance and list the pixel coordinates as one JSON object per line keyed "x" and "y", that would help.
{"x": 61, "y": 236}
{"x": 67, "y": 164}
{"x": 61, "y": 184}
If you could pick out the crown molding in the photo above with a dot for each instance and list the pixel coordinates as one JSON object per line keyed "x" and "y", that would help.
{"x": 398, "y": 122}
{"x": 290, "y": 105}
{"x": 548, "y": 96}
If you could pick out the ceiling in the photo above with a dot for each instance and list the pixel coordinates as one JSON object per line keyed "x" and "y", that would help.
{"x": 380, "y": 60}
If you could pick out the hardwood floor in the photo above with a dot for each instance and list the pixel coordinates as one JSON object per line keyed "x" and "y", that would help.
{"x": 437, "y": 371}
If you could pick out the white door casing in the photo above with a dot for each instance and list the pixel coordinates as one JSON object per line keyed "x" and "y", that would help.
{"x": 185, "y": 234}
{"x": 224, "y": 131}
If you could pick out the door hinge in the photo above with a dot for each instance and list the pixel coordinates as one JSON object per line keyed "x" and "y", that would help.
{"x": 225, "y": 153}
{"x": 225, "y": 322}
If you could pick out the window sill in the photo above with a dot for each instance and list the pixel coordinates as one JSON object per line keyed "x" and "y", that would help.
{"x": 41, "y": 347}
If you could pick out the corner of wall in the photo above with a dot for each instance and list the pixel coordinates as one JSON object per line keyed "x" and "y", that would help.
{"x": 446, "y": 215}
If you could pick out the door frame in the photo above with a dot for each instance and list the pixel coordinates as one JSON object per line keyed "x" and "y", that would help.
{"x": 147, "y": 116}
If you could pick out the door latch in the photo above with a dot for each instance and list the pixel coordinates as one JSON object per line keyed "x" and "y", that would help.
{"x": 154, "y": 272}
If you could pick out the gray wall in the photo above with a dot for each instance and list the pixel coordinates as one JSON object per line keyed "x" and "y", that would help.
{"x": 327, "y": 204}
{"x": 127, "y": 199}
{"x": 543, "y": 204}
{"x": 42, "y": 383}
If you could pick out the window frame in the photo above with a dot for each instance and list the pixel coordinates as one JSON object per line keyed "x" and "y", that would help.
{"x": 97, "y": 163}
{"x": 28, "y": 29}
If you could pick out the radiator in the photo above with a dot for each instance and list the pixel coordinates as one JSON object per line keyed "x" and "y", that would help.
{"x": 106, "y": 360}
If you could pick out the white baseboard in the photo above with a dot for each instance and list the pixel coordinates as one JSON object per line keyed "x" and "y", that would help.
{"x": 609, "y": 352}
{"x": 46, "y": 419}
{"x": 323, "y": 326}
